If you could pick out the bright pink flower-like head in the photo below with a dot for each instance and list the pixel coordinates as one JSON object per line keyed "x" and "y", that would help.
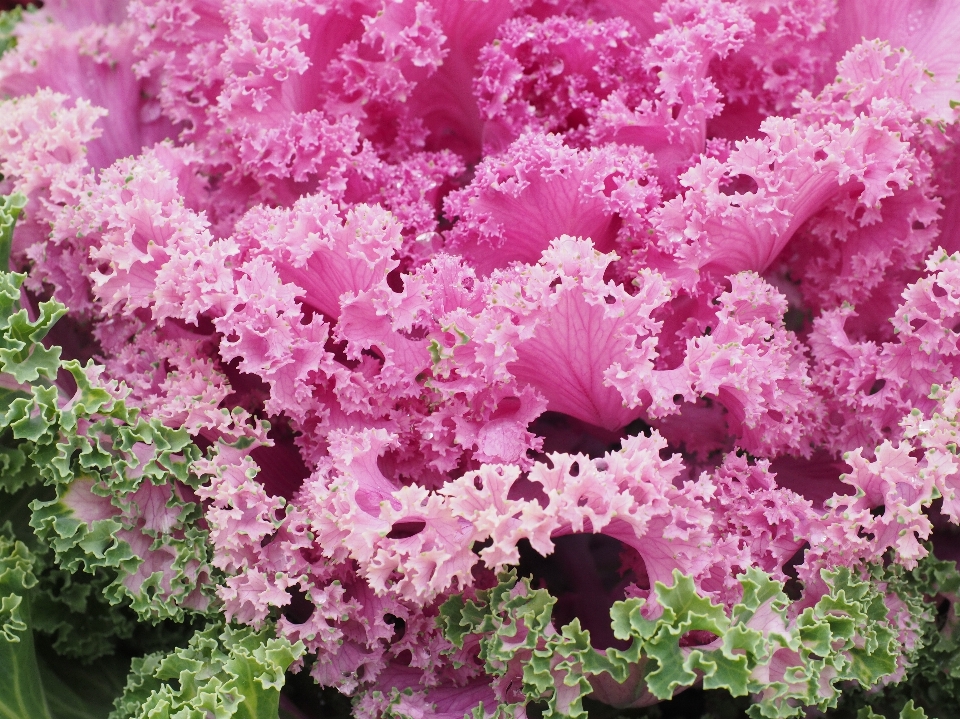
{"x": 592, "y": 288}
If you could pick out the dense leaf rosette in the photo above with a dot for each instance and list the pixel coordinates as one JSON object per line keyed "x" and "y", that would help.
{"x": 465, "y": 355}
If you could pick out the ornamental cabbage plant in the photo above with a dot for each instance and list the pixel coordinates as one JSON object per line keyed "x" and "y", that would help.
{"x": 479, "y": 358}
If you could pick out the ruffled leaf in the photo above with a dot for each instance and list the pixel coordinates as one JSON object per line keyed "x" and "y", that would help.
{"x": 752, "y": 648}
{"x": 224, "y": 671}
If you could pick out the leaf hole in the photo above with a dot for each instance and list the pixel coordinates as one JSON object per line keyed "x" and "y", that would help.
{"x": 398, "y": 624}
{"x": 300, "y": 608}
{"x": 740, "y": 185}
{"x": 406, "y": 529}
{"x": 697, "y": 638}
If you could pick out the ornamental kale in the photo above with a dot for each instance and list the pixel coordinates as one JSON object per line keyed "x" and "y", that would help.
{"x": 488, "y": 358}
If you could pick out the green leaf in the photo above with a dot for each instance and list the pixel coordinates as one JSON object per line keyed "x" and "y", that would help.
{"x": 51, "y": 448}
{"x": 455, "y": 626}
{"x": 932, "y": 680}
{"x": 21, "y": 691}
{"x": 222, "y": 672}
{"x": 78, "y": 691}
{"x": 846, "y": 636}
{"x": 909, "y": 711}
{"x": 22, "y": 356}
{"x": 684, "y": 611}
{"x": 35, "y": 599}
{"x": 16, "y": 579}
{"x": 912, "y": 712}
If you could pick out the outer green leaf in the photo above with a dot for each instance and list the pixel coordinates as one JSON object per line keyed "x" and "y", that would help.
{"x": 16, "y": 470}
{"x": 912, "y": 712}
{"x": 30, "y": 688}
{"x": 22, "y": 356}
{"x": 684, "y": 611}
{"x": 16, "y": 579}
{"x": 932, "y": 681}
{"x": 845, "y": 636}
{"x": 78, "y": 691}
{"x": 21, "y": 692}
{"x": 223, "y": 672}
{"x": 909, "y": 711}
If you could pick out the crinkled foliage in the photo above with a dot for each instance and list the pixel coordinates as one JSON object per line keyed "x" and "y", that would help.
{"x": 333, "y": 318}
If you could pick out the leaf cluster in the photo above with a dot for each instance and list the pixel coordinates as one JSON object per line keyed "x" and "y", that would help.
{"x": 787, "y": 665}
